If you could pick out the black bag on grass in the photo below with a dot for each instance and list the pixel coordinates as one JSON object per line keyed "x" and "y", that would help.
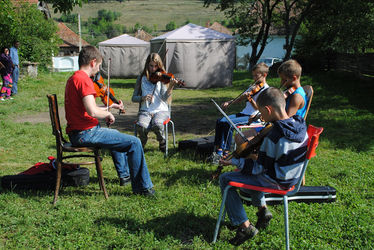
{"x": 42, "y": 176}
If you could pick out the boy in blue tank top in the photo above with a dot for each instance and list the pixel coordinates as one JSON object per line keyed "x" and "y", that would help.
{"x": 296, "y": 100}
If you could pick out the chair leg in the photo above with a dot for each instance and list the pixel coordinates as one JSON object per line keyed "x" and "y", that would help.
{"x": 222, "y": 213}
{"x": 286, "y": 226}
{"x": 166, "y": 139}
{"x": 99, "y": 171}
{"x": 173, "y": 131}
{"x": 58, "y": 182}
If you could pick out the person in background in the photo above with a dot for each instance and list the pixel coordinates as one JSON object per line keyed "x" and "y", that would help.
{"x": 154, "y": 98}
{"x": 6, "y": 75}
{"x": 83, "y": 128}
{"x": 278, "y": 164}
{"x": 15, "y": 60}
{"x": 296, "y": 99}
{"x": 223, "y": 131}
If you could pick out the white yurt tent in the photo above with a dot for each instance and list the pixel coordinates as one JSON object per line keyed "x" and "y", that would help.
{"x": 127, "y": 53}
{"x": 202, "y": 57}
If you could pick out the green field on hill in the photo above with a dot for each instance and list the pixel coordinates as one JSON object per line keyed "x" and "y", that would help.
{"x": 153, "y": 13}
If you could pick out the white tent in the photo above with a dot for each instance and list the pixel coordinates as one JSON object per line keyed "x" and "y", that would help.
{"x": 127, "y": 53}
{"x": 202, "y": 57}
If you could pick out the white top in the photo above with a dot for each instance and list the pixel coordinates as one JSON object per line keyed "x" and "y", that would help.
{"x": 159, "y": 102}
{"x": 249, "y": 109}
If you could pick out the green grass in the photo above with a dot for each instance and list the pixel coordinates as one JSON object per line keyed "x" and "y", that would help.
{"x": 187, "y": 207}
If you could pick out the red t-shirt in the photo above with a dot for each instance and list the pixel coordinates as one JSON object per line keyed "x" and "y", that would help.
{"x": 78, "y": 86}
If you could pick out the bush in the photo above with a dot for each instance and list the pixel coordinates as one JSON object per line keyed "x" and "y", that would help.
{"x": 171, "y": 26}
{"x": 26, "y": 24}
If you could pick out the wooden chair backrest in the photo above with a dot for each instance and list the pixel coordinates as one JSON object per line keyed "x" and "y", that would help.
{"x": 309, "y": 94}
{"x": 55, "y": 119}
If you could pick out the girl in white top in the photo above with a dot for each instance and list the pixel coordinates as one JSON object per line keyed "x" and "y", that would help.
{"x": 153, "y": 97}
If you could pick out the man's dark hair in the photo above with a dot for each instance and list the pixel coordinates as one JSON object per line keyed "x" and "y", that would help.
{"x": 272, "y": 97}
{"x": 88, "y": 54}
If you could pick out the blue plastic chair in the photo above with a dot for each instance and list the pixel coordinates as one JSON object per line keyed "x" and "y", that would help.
{"x": 313, "y": 133}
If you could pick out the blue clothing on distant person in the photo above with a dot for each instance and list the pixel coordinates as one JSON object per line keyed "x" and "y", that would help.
{"x": 15, "y": 75}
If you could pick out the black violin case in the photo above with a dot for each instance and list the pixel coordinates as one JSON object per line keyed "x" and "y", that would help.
{"x": 306, "y": 194}
{"x": 46, "y": 180}
{"x": 203, "y": 145}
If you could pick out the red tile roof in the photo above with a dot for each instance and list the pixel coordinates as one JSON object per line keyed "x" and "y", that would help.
{"x": 220, "y": 28}
{"x": 141, "y": 34}
{"x": 69, "y": 37}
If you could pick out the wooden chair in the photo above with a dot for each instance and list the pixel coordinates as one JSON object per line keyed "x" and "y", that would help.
{"x": 63, "y": 146}
{"x": 313, "y": 133}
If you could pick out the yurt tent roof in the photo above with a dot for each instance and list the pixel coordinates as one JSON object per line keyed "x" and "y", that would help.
{"x": 124, "y": 40}
{"x": 192, "y": 32}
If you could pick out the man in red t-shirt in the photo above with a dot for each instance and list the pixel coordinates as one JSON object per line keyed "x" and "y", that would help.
{"x": 83, "y": 127}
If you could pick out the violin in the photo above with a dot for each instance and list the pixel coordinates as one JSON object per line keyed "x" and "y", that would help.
{"x": 102, "y": 91}
{"x": 245, "y": 149}
{"x": 164, "y": 77}
{"x": 289, "y": 91}
{"x": 253, "y": 89}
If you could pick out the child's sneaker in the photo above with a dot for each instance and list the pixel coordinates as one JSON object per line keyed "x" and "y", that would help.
{"x": 9, "y": 98}
{"x": 214, "y": 158}
{"x": 243, "y": 234}
{"x": 2, "y": 99}
{"x": 264, "y": 216}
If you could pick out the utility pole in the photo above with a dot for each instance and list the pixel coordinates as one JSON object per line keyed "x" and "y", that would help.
{"x": 79, "y": 31}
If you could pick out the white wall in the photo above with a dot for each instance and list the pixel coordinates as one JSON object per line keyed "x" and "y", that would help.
{"x": 65, "y": 63}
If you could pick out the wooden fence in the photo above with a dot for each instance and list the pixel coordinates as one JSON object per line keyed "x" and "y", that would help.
{"x": 362, "y": 64}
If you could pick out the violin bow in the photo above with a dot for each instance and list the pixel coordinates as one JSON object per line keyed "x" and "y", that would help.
{"x": 108, "y": 87}
{"x": 230, "y": 121}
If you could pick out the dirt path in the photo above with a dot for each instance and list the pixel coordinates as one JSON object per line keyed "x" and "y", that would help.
{"x": 185, "y": 118}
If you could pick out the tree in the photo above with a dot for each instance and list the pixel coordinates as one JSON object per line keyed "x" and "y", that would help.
{"x": 293, "y": 13}
{"x": 65, "y": 6}
{"x": 170, "y": 26}
{"x": 338, "y": 26}
{"x": 255, "y": 18}
{"x": 26, "y": 24}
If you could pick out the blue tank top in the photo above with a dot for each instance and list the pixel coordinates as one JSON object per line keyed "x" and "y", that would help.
{"x": 301, "y": 112}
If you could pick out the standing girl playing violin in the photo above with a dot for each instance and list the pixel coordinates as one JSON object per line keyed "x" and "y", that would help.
{"x": 223, "y": 136}
{"x": 154, "y": 97}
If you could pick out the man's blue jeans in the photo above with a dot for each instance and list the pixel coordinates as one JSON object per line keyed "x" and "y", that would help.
{"x": 223, "y": 136}
{"x": 127, "y": 153}
{"x": 15, "y": 76}
{"x": 234, "y": 205}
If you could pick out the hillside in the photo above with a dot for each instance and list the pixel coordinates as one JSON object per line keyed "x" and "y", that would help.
{"x": 154, "y": 14}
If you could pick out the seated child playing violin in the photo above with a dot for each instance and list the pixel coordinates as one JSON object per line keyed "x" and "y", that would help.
{"x": 154, "y": 99}
{"x": 278, "y": 164}
{"x": 296, "y": 100}
{"x": 223, "y": 135}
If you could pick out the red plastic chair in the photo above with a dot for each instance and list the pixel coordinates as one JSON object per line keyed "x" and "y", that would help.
{"x": 313, "y": 133}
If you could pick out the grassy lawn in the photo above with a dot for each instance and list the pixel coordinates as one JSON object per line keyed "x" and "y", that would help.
{"x": 187, "y": 207}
